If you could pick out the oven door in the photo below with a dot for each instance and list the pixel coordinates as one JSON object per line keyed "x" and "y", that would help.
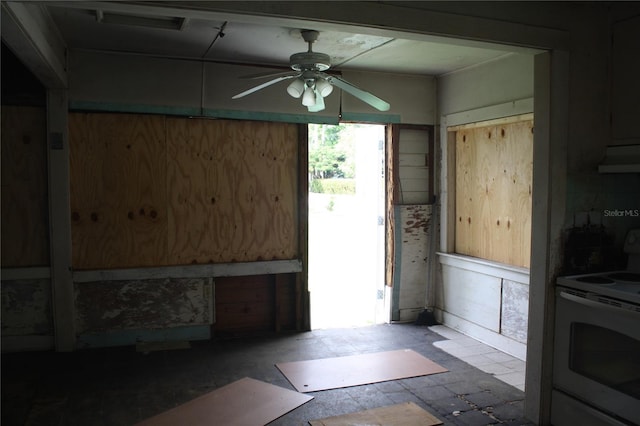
{"x": 597, "y": 354}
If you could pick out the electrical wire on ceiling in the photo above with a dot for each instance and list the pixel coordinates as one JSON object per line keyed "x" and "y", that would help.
{"x": 219, "y": 34}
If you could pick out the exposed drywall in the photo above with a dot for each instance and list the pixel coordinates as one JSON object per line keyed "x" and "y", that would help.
{"x": 413, "y": 228}
{"x": 124, "y": 82}
{"x": 26, "y": 307}
{"x": 515, "y": 307}
{"x": 104, "y": 306}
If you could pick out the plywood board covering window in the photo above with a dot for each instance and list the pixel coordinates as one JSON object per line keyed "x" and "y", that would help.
{"x": 153, "y": 190}
{"x": 494, "y": 165}
{"x": 25, "y": 228}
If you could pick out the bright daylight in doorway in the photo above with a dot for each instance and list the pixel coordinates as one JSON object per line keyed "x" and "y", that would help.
{"x": 346, "y": 225}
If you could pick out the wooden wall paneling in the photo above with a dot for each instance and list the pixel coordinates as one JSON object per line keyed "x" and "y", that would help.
{"x": 118, "y": 190}
{"x": 285, "y": 302}
{"x": 244, "y": 304}
{"x": 413, "y": 157}
{"x": 493, "y": 192}
{"x": 25, "y": 231}
{"x": 233, "y": 191}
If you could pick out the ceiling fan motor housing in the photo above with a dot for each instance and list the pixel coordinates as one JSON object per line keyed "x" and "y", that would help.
{"x": 314, "y": 61}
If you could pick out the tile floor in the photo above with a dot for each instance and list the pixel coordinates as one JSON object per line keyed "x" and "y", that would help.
{"x": 119, "y": 386}
{"x": 503, "y": 366}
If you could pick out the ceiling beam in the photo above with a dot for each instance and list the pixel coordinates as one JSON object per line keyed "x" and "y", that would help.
{"x": 30, "y": 32}
{"x": 367, "y": 17}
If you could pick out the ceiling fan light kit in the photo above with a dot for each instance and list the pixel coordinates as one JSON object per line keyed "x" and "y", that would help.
{"x": 309, "y": 97}
{"x": 296, "y": 88}
{"x": 311, "y": 82}
{"x": 324, "y": 87}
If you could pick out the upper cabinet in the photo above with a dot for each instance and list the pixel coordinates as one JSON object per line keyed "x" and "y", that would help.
{"x": 625, "y": 82}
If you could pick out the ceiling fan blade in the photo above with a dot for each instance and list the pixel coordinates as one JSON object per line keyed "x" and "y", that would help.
{"x": 263, "y": 85}
{"x": 319, "y": 105}
{"x": 367, "y": 97}
{"x": 269, "y": 74}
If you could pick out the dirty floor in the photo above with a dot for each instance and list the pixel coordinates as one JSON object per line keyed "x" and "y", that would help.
{"x": 119, "y": 386}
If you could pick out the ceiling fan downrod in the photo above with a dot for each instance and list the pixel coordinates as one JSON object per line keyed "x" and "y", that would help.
{"x": 309, "y": 60}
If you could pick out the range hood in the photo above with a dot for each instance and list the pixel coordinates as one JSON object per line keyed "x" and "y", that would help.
{"x": 621, "y": 159}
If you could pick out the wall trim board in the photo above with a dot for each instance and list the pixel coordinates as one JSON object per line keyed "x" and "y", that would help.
{"x": 302, "y": 294}
{"x": 491, "y": 338}
{"x": 191, "y": 271}
{"x": 27, "y": 343}
{"x": 551, "y": 88}
{"x": 487, "y": 267}
{"x": 63, "y": 300}
{"x": 84, "y": 106}
{"x": 34, "y": 273}
{"x": 495, "y": 122}
{"x": 270, "y": 116}
{"x": 493, "y": 112}
{"x": 132, "y": 337}
{"x": 375, "y": 118}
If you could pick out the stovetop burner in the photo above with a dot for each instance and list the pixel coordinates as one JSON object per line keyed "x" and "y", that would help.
{"x": 626, "y": 277}
{"x": 621, "y": 285}
{"x": 595, "y": 279}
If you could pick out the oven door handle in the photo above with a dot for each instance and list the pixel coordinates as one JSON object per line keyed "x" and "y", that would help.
{"x": 598, "y": 305}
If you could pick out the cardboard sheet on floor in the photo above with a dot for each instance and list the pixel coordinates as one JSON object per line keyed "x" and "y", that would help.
{"x": 241, "y": 403}
{"x": 354, "y": 370}
{"x": 405, "y": 414}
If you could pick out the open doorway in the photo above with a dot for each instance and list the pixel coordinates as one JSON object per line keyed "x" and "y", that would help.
{"x": 346, "y": 224}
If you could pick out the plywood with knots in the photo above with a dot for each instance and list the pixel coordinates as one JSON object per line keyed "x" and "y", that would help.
{"x": 25, "y": 231}
{"x": 118, "y": 190}
{"x": 155, "y": 191}
{"x": 494, "y": 166}
{"x": 232, "y": 191}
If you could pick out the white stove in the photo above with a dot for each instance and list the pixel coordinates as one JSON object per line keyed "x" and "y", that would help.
{"x": 623, "y": 286}
{"x": 596, "y": 371}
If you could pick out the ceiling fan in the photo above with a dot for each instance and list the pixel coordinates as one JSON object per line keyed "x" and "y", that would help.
{"x": 310, "y": 82}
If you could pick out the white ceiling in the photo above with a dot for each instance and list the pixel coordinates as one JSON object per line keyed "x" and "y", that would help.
{"x": 249, "y": 42}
